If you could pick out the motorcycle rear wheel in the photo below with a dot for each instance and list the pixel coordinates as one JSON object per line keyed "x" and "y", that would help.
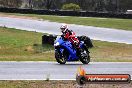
{"x": 86, "y": 59}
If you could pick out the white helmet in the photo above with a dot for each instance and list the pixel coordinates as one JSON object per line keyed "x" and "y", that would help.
{"x": 64, "y": 28}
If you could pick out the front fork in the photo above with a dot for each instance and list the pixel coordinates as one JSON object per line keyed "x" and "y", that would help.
{"x": 60, "y": 51}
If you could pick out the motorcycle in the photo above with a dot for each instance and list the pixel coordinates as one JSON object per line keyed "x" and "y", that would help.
{"x": 66, "y": 52}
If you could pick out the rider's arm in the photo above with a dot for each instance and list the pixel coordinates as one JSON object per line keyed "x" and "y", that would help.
{"x": 67, "y": 35}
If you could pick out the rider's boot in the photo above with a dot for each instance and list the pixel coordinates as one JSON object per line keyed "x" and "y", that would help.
{"x": 79, "y": 50}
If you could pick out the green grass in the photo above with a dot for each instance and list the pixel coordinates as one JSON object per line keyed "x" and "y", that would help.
{"x": 111, "y": 52}
{"x": 124, "y": 24}
{"x": 20, "y": 45}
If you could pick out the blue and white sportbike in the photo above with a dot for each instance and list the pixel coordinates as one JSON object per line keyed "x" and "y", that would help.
{"x": 65, "y": 51}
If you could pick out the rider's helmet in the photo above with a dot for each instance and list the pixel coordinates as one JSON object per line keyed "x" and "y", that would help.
{"x": 64, "y": 28}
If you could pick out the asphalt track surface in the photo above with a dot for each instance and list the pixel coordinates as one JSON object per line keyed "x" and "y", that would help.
{"x": 96, "y": 33}
{"x": 55, "y": 71}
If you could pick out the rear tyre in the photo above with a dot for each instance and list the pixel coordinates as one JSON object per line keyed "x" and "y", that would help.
{"x": 85, "y": 58}
{"x": 60, "y": 59}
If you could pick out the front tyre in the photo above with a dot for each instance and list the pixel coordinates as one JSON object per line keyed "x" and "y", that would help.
{"x": 60, "y": 59}
{"x": 85, "y": 57}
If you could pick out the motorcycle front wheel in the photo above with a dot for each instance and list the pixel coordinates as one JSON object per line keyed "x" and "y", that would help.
{"x": 60, "y": 59}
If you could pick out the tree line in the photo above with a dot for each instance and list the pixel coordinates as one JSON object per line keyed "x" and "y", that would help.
{"x": 88, "y": 5}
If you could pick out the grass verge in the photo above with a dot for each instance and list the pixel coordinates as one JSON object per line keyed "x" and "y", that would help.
{"x": 20, "y": 45}
{"x": 124, "y": 24}
{"x": 57, "y": 84}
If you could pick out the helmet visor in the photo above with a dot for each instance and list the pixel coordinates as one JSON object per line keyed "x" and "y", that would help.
{"x": 62, "y": 29}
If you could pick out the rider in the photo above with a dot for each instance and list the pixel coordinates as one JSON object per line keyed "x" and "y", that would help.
{"x": 71, "y": 36}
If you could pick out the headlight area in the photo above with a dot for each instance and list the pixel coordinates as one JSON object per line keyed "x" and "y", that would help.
{"x": 56, "y": 44}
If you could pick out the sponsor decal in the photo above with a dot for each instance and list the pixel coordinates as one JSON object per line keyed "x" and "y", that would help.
{"x": 83, "y": 78}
